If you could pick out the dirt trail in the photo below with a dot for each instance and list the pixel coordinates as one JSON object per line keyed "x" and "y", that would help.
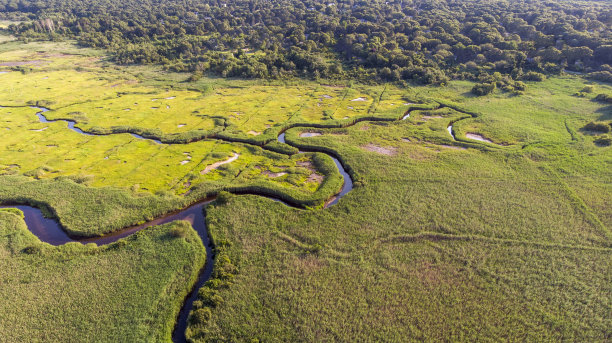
{"x": 220, "y": 163}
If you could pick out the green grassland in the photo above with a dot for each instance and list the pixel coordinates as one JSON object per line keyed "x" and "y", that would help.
{"x": 48, "y": 150}
{"x": 309, "y": 277}
{"x": 103, "y": 100}
{"x": 98, "y": 98}
{"x": 547, "y": 113}
{"x": 127, "y": 291}
{"x": 441, "y": 238}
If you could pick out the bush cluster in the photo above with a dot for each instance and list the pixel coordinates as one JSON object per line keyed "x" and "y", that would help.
{"x": 604, "y": 98}
{"x": 597, "y": 127}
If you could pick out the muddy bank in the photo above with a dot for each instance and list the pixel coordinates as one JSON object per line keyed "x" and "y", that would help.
{"x": 477, "y": 137}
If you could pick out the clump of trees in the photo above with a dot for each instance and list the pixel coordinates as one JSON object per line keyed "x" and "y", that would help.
{"x": 422, "y": 41}
{"x": 483, "y": 88}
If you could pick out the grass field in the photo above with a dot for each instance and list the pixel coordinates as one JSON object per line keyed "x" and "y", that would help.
{"x": 96, "y": 96}
{"x": 131, "y": 290}
{"x": 310, "y": 277}
{"x": 48, "y": 150}
{"x": 80, "y": 87}
{"x": 442, "y": 238}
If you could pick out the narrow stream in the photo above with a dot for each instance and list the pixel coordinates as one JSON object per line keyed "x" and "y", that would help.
{"x": 72, "y": 123}
{"x": 348, "y": 181}
{"x": 50, "y": 231}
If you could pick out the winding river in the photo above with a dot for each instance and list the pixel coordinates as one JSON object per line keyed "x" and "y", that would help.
{"x": 71, "y": 124}
{"x": 50, "y": 231}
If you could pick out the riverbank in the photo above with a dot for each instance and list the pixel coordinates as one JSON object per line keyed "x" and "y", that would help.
{"x": 52, "y": 293}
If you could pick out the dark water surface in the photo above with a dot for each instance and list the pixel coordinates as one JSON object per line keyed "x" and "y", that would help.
{"x": 50, "y": 231}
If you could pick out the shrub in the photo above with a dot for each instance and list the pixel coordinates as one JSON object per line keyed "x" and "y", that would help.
{"x": 33, "y": 249}
{"x": 195, "y": 76}
{"x": 209, "y": 297}
{"x": 604, "y": 141}
{"x": 604, "y": 98}
{"x": 178, "y": 232}
{"x": 481, "y": 89}
{"x": 588, "y": 89}
{"x": 604, "y": 76}
{"x": 520, "y": 86}
{"x": 81, "y": 178}
{"x": 201, "y": 316}
{"x": 597, "y": 127}
{"x": 223, "y": 197}
{"x": 534, "y": 76}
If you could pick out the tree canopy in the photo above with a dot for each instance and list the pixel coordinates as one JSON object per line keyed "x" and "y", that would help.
{"x": 425, "y": 41}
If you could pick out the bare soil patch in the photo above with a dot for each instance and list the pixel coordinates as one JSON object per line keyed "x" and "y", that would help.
{"x": 389, "y": 151}
{"x": 453, "y": 147}
{"x": 313, "y": 177}
{"x": 129, "y": 82}
{"x": 19, "y": 63}
{"x": 431, "y": 117}
{"x": 307, "y": 164}
{"x": 273, "y": 175}
{"x": 360, "y": 99}
{"x": 310, "y": 134}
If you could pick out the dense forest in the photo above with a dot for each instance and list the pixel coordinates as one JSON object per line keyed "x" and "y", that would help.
{"x": 495, "y": 42}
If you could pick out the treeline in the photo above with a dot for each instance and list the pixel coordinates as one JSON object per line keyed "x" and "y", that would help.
{"x": 427, "y": 41}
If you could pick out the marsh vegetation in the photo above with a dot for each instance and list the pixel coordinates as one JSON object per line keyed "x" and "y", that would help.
{"x": 500, "y": 230}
